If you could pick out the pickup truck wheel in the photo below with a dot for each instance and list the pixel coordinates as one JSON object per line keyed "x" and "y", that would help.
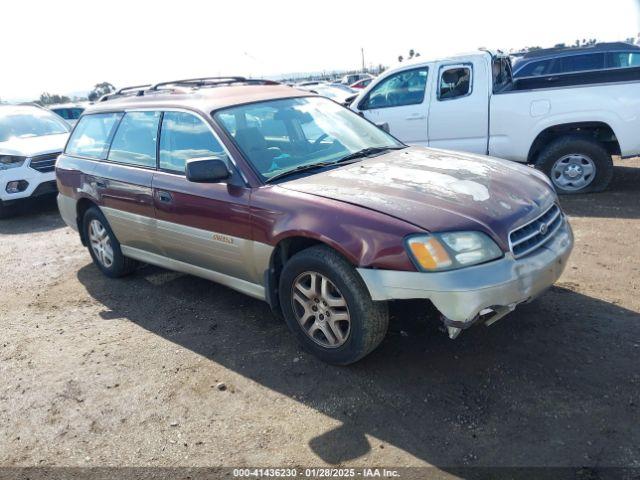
{"x": 576, "y": 165}
{"x": 328, "y": 307}
{"x": 104, "y": 246}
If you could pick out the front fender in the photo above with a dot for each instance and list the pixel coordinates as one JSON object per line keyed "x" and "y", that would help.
{"x": 367, "y": 238}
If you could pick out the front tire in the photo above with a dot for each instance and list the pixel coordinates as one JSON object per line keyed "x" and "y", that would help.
{"x": 576, "y": 164}
{"x": 104, "y": 246}
{"x": 328, "y": 307}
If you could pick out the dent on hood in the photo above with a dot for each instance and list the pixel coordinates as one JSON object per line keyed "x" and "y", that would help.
{"x": 432, "y": 173}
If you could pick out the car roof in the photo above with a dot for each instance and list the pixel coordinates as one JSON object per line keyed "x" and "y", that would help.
{"x": 66, "y": 105}
{"x": 563, "y": 51}
{"x": 22, "y": 106}
{"x": 204, "y": 99}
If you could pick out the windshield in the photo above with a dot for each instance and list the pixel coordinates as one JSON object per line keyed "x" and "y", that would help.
{"x": 23, "y": 122}
{"x": 280, "y": 135}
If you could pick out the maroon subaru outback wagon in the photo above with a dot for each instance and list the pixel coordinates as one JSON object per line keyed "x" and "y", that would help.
{"x": 291, "y": 198}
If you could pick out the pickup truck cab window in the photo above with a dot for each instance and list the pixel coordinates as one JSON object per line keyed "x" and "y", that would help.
{"x": 296, "y": 132}
{"x": 135, "y": 140}
{"x": 92, "y": 135}
{"x": 403, "y": 88}
{"x": 184, "y": 136}
{"x": 454, "y": 82}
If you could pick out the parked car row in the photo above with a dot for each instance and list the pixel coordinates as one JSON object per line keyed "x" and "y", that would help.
{"x": 295, "y": 200}
{"x": 338, "y": 92}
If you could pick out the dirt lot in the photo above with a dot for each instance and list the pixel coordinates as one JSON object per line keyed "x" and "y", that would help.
{"x": 124, "y": 372}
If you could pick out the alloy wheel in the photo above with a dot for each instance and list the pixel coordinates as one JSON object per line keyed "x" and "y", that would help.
{"x": 321, "y": 310}
{"x": 100, "y": 243}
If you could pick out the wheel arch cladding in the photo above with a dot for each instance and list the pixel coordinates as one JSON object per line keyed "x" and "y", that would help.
{"x": 599, "y": 131}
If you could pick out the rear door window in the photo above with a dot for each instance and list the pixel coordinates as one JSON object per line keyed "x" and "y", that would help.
{"x": 74, "y": 113}
{"x": 534, "y": 69}
{"x": 400, "y": 89}
{"x": 92, "y": 135}
{"x": 578, "y": 63}
{"x": 184, "y": 137}
{"x": 624, "y": 59}
{"x": 135, "y": 140}
{"x": 454, "y": 82}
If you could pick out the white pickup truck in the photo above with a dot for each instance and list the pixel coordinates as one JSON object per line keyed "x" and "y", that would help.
{"x": 567, "y": 125}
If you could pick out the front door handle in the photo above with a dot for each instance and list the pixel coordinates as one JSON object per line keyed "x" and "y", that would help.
{"x": 419, "y": 117}
{"x": 165, "y": 197}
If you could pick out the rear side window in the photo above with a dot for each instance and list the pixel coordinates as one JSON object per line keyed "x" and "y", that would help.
{"x": 184, "y": 137}
{"x": 135, "y": 140}
{"x": 402, "y": 88}
{"x": 74, "y": 113}
{"x": 63, "y": 112}
{"x": 454, "y": 83}
{"x": 92, "y": 135}
{"x": 624, "y": 59}
{"x": 534, "y": 69}
{"x": 578, "y": 63}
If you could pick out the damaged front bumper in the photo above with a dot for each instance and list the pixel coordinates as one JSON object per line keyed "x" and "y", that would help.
{"x": 484, "y": 292}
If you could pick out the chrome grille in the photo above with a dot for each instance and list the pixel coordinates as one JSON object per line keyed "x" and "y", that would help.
{"x": 44, "y": 163}
{"x": 533, "y": 235}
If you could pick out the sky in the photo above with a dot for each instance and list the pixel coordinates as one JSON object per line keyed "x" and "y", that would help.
{"x": 67, "y": 46}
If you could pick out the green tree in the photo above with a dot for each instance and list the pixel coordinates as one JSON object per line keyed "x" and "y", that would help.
{"x": 100, "y": 89}
{"x": 51, "y": 99}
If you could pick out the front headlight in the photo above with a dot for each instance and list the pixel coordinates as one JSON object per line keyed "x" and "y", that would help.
{"x": 11, "y": 161}
{"x": 451, "y": 250}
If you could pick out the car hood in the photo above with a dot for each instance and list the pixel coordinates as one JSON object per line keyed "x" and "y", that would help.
{"x": 438, "y": 190}
{"x": 32, "y": 146}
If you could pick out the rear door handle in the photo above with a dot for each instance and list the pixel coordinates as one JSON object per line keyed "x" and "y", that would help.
{"x": 165, "y": 197}
{"x": 100, "y": 184}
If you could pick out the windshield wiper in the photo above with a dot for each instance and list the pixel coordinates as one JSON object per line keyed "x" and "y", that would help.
{"x": 365, "y": 152}
{"x": 299, "y": 168}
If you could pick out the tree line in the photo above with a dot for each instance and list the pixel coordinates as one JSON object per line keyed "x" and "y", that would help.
{"x": 98, "y": 91}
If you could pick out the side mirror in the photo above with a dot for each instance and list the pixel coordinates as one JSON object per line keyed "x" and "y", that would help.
{"x": 207, "y": 170}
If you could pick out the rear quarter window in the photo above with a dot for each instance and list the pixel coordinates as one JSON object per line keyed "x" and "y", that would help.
{"x": 92, "y": 135}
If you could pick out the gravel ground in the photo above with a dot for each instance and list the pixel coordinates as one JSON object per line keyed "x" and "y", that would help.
{"x": 164, "y": 369}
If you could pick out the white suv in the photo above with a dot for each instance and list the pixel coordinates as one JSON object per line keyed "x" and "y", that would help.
{"x": 31, "y": 138}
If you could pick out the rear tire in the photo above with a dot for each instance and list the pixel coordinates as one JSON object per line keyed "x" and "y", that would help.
{"x": 104, "y": 247}
{"x": 576, "y": 164}
{"x": 354, "y": 324}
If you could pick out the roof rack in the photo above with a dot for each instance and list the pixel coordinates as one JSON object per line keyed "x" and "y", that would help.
{"x": 213, "y": 81}
{"x": 138, "y": 90}
{"x": 141, "y": 90}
